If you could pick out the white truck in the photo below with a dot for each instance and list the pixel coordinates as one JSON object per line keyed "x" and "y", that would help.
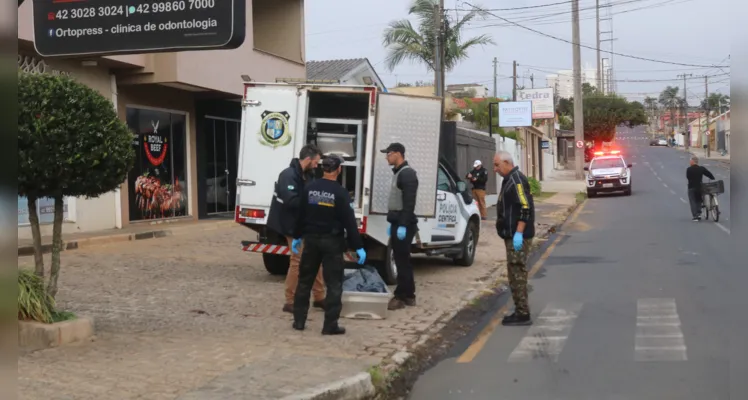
{"x": 278, "y": 119}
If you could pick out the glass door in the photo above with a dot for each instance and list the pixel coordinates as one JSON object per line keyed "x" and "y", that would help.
{"x": 222, "y": 144}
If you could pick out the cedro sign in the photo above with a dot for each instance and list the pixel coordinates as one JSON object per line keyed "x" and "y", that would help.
{"x": 515, "y": 114}
{"x": 542, "y": 102}
{"x": 107, "y": 27}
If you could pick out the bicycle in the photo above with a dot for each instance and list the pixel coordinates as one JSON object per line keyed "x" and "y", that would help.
{"x": 709, "y": 191}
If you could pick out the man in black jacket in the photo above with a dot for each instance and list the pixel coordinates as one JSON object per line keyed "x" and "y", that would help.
{"x": 284, "y": 211}
{"x": 695, "y": 175}
{"x": 479, "y": 176}
{"x": 403, "y": 222}
{"x": 515, "y": 223}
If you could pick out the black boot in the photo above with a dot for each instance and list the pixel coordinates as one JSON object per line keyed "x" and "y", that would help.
{"x": 516, "y": 320}
{"x": 333, "y": 329}
{"x": 298, "y": 325}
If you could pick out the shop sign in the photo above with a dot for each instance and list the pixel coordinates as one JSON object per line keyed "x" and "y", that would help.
{"x": 107, "y": 27}
{"x": 542, "y": 102}
{"x": 515, "y": 114}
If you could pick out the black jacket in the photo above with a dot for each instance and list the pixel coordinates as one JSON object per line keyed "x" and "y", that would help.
{"x": 284, "y": 207}
{"x": 407, "y": 181}
{"x": 695, "y": 174}
{"x": 481, "y": 177}
{"x": 515, "y": 204}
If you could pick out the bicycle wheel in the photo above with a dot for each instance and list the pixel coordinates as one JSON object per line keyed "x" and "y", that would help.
{"x": 715, "y": 208}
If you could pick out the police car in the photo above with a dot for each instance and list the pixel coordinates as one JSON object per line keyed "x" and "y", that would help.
{"x": 608, "y": 172}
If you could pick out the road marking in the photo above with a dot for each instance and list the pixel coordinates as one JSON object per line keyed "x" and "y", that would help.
{"x": 548, "y": 334}
{"x": 658, "y": 178}
{"x": 724, "y": 228}
{"x": 672, "y": 191}
{"x": 683, "y": 200}
{"x": 658, "y": 333}
{"x": 665, "y": 184}
{"x": 480, "y": 341}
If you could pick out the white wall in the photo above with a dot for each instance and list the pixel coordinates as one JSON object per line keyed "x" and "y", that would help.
{"x": 88, "y": 215}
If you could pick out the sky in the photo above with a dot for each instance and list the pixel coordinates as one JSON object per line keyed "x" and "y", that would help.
{"x": 676, "y": 31}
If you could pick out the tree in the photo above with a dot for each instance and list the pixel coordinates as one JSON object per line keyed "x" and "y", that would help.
{"x": 405, "y": 42}
{"x": 669, "y": 100}
{"x": 565, "y": 106}
{"x": 588, "y": 90}
{"x": 604, "y": 113}
{"x": 716, "y": 102}
{"x": 70, "y": 143}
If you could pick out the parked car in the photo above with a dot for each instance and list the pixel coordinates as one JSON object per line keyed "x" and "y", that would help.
{"x": 660, "y": 141}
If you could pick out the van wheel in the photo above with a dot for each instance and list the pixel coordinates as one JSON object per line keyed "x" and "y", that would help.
{"x": 276, "y": 264}
{"x": 469, "y": 245}
{"x": 388, "y": 268}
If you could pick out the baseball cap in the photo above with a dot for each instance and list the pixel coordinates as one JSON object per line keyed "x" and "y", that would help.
{"x": 395, "y": 147}
{"x": 331, "y": 162}
{"x": 477, "y": 163}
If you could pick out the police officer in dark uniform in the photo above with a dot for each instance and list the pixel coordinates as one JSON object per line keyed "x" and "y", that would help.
{"x": 325, "y": 217}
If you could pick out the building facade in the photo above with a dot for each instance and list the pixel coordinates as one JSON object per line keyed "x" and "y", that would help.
{"x": 184, "y": 111}
{"x": 563, "y": 81}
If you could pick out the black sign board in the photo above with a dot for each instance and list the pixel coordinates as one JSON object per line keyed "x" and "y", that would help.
{"x": 107, "y": 27}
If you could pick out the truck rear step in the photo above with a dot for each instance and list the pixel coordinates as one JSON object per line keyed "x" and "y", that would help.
{"x": 257, "y": 247}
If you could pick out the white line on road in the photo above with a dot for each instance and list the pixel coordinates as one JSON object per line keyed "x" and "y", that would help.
{"x": 724, "y": 228}
{"x": 658, "y": 333}
{"x": 665, "y": 184}
{"x": 658, "y": 178}
{"x": 547, "y": 337}
{"x": 672, "y": 191}
{"x": 683, "y": 200}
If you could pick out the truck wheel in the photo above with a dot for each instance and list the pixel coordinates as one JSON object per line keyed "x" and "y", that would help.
{"x": 469, "y": 246}
{"x": 388, "y": 268}
{"x": 276, "y": 264}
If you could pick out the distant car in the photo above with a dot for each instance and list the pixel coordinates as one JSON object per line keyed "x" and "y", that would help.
{"x": 608, "y": 172}
{"x": 658, "y": 142}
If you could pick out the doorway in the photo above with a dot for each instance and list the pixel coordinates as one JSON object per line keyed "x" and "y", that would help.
{"x": 221, "y": 144}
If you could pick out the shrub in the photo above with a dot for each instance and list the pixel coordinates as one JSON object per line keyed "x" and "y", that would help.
{"x": 34, "y": 303}
{"x": 535, "y": 187}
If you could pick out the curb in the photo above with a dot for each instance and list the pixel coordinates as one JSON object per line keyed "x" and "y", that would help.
{"x": 361, "y": 386}
{"x": 125, "y": 237}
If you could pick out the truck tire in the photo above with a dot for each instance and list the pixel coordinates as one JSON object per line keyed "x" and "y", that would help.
{"x": 276, "y": 264}
{"x": 469, "y": 245}
{"x": 388, "y": 269}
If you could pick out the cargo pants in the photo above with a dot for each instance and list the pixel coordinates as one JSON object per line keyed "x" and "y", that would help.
{"x": 326, "y": 250}
{"x": 517, "y": 272}
{"x": 480, "y": 199}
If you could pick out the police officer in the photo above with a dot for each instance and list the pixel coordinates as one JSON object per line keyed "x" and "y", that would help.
{"x": 515, "y": 223}
{"x": 479, "y": 177}
{"x": 325, "y": 217}
{"x": 402, "y": 218}
{"x": 282, "y": 217}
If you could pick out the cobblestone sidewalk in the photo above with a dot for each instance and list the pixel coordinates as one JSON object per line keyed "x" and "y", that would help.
{"x": 192, "y": 317}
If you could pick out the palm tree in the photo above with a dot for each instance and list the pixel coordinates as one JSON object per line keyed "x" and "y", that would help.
{"x": 650, "y": 103}
{"x": 717, "y": 102}
{"x": 405, "y": 42}
{"x": 669, "y": 100}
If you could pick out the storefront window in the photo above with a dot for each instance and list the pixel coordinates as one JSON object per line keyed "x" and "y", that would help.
{"x": 158, "y": 181}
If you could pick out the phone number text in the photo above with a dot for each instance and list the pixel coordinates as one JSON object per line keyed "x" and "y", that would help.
{"x": 147, "y": 8}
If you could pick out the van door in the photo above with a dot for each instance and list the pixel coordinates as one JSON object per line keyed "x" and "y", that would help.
{"x": 444, "y": 226}
{"x": 273, "y": 127}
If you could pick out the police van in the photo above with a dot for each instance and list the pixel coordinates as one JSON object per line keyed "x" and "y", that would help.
{"x": 355, "y": 122}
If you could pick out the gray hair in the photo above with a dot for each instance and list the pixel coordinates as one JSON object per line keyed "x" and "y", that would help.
{"x": 505, "y": 156}
{"x": 695, "y": 159}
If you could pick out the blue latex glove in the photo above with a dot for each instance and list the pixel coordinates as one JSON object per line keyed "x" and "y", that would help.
{"x": 517, "y": 241}
{"x": 295, "y": 245}
{"x": 389, "y": 230}
{"x": 361, "y": 256}
{"x": 401, "y": 232}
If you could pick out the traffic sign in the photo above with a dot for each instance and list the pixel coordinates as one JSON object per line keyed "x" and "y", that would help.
{"x": 708, "y": 133}
{"x": 107, "y": 27}
{"x": 580, "y": 144}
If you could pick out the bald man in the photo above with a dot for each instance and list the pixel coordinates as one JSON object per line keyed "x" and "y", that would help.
{"x": 515, "y": 223}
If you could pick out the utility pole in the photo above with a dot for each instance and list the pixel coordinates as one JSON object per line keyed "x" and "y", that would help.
{"x": 514, "y": 80}
{"x": 706, "y": 111}
{"x": 442, "y": 47}
{"x": 438, "y": 84}
{"x": 532, "y": 80}
{"x": 578, "y": 103}
{"x": 686, "y": 133}
{"x": 599, "y": 67}
{"x": 495, "y": 76}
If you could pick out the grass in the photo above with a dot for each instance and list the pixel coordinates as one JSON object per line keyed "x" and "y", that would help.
{"x": 59, "y": 316}
{"x": 581, "y": 197}
{"x": 377, "y": 375}
{"x": 543, "y": 196}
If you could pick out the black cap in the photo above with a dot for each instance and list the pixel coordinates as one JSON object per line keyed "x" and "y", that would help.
{"x": 395, "y": 147}
{"x": 331, "y": 162}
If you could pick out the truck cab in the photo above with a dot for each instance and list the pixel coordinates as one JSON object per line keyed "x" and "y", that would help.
{"x": 353, "y": 122}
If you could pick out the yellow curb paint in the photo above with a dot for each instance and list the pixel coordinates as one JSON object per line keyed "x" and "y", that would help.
{"x": 480, "y": 341}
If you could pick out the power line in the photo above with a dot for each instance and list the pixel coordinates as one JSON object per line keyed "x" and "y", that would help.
{"x": 593, "y": 48}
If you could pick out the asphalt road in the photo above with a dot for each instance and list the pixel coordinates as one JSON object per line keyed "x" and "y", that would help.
{"x": 631, "y": 300}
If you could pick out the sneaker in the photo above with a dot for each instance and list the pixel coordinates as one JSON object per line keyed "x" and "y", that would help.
{"x": 515, "y": 319}
{"x": 334, "y": 330}
{"x": 288, "y": 308}
{"x": 319, "y": 304}
{"x": 410, "y": 302}
{"x": 484, "y": 219}
{"x": 395, "y": 304}
{"x": 696, "y": 219}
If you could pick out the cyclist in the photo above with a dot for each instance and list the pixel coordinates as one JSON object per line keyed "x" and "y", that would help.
{"x": 695, "y": 174}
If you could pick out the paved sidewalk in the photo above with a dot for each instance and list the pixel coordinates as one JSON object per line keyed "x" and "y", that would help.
{"x": 191, "y": 317}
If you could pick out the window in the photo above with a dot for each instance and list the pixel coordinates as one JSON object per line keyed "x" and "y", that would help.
{"x": 442, "y": 181}
{"x": 607, "y": 163}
